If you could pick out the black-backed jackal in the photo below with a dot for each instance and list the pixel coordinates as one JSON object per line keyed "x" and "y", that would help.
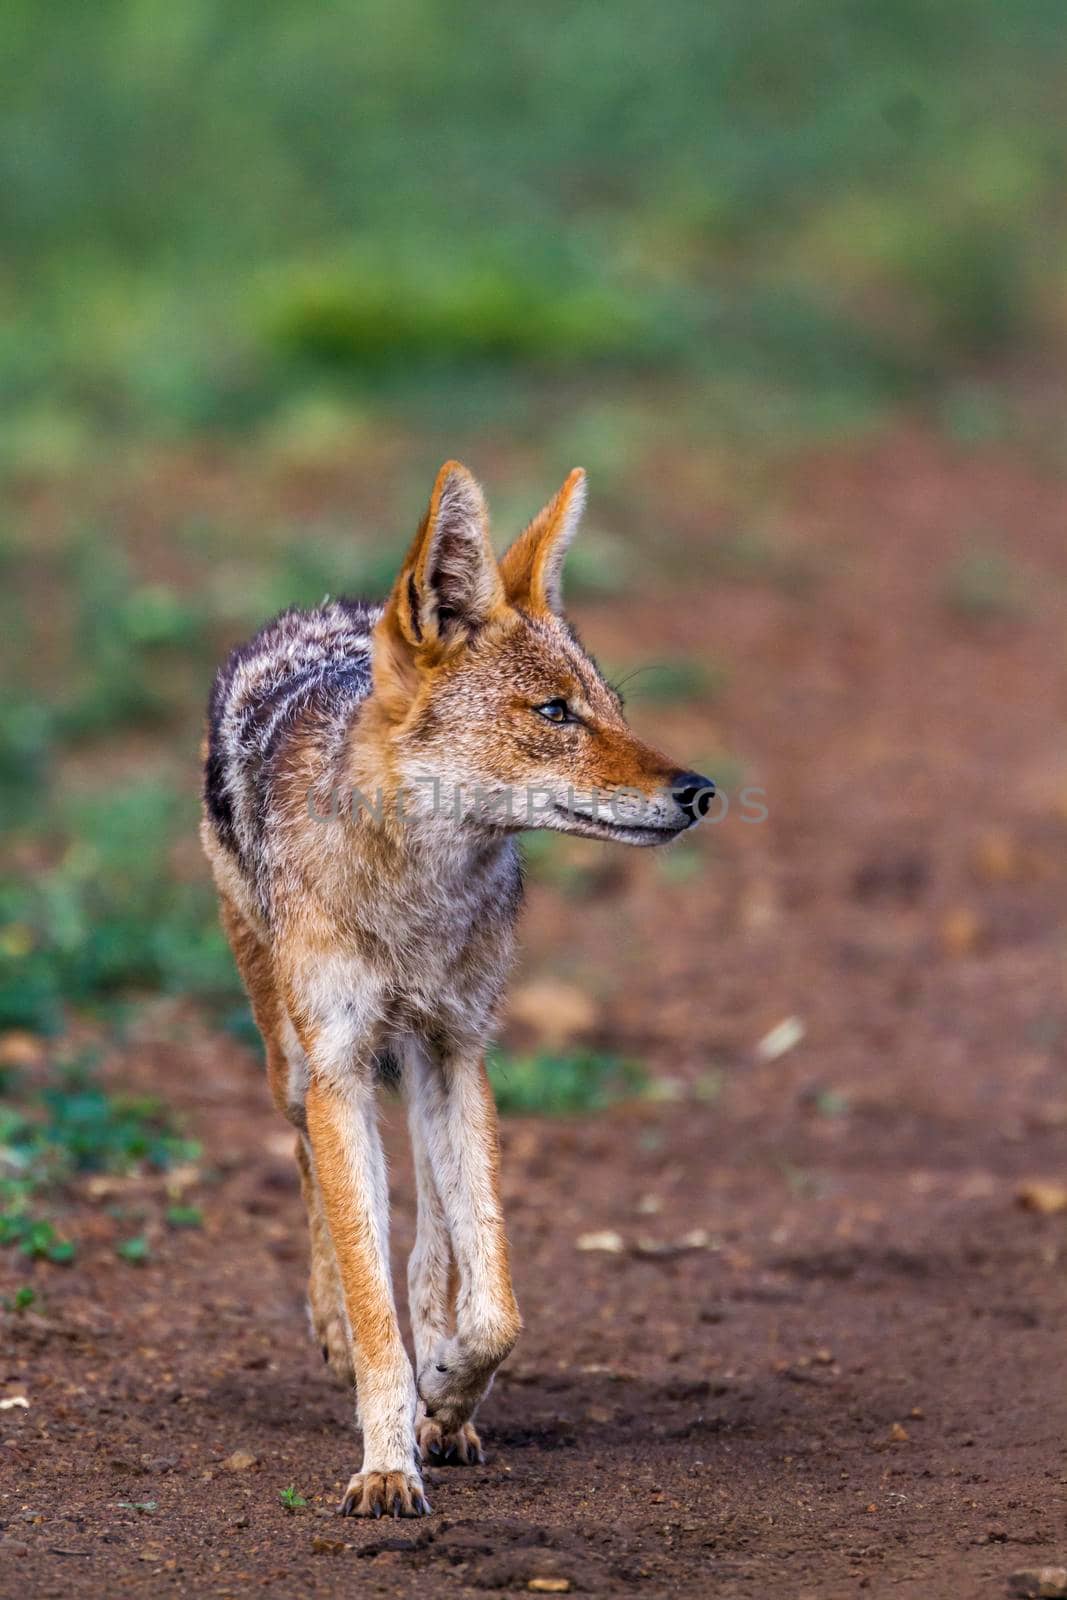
{"x": 369, "y": 768}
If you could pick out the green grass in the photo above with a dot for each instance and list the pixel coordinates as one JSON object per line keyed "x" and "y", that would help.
{"x": 291, "y": 1498}
{"x": 370, "y": 314}
{"x": 92, "y": 908}
{"x": 69, "y": 1124}
{"x": 123, "y": 643}
{"x": 107, "y": 916}
{"x": 563, "y": 1085}
{"x": 831, "y": 203}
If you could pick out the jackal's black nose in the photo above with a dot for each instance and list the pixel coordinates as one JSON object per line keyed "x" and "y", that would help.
{"x": 694, "y": 794}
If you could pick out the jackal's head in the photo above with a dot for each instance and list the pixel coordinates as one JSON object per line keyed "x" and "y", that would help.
{"x": 490, "y": 710}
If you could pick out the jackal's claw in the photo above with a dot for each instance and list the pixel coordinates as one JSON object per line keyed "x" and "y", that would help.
{"x": 449, "y": 1447}
{"x": 394, "y": 1494}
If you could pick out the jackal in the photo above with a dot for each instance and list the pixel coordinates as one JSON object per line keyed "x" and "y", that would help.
{"x": 374, "y": 936}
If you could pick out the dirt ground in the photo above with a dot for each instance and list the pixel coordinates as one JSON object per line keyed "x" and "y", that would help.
{"x": 823, "y": 1352}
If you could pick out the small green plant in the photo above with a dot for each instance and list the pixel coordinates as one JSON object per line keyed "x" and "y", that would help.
{"x": 185, "y": 1217}
{"x": 35, "y": 1237}
{"x": 291, "y": 1498}
{"x": 134, "y": 1250}
{"x": 22, "y": 1299}
{"x": 563, "y": 1085}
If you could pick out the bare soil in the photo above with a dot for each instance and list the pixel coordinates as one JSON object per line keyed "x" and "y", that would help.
{"x": 824, "y": 1353}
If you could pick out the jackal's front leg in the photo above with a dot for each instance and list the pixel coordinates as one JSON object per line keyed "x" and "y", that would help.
{"x": 461, "y": 1255}
{"x": 350, "y": 1169}
{"x": 433, "y": 1281}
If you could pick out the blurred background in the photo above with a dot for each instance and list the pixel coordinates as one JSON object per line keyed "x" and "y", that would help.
{"x": 789, "y": 281}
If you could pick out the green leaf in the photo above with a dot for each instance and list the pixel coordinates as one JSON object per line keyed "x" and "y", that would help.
{"x": 134, "y": 1250}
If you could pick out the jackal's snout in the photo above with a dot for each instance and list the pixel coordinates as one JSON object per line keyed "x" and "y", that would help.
{"x": 639, "y": 814}
{"x": 692, "y": 793}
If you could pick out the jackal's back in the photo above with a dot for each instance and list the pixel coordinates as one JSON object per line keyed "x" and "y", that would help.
{"x": 302, "y": 661}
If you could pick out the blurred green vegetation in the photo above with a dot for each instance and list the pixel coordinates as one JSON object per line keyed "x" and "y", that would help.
{"x": 105, "y": 914}
{"x": 563, "y": 1085}
{"x": 209, "y": 209}
{"x": 67, "y": 1124}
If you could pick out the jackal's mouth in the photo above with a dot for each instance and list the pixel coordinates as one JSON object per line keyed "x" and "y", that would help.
{"x": 599, "y": 827}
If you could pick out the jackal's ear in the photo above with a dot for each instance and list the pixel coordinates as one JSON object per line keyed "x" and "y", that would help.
{"x": 450, "y": 583}
{"x": 532, "y": 568}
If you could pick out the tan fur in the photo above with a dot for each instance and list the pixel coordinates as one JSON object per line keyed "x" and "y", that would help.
{"x": 254, "y": 963}
{"x": 367, "y": 1300}
{"x": 383, "y": 937}
{"x": 326, "y": 1305}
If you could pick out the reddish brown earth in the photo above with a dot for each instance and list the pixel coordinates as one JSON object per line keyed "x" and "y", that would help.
{"x": 828, "y": 1355}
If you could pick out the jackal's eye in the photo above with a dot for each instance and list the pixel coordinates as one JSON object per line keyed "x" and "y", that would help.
{"x": 555, "y": 711}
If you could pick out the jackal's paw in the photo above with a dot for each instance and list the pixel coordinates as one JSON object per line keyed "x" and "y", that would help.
{"x": 391, "y": 1494}
{"x": 455, "y": 1380}
{"x": 449, "y": 1447}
